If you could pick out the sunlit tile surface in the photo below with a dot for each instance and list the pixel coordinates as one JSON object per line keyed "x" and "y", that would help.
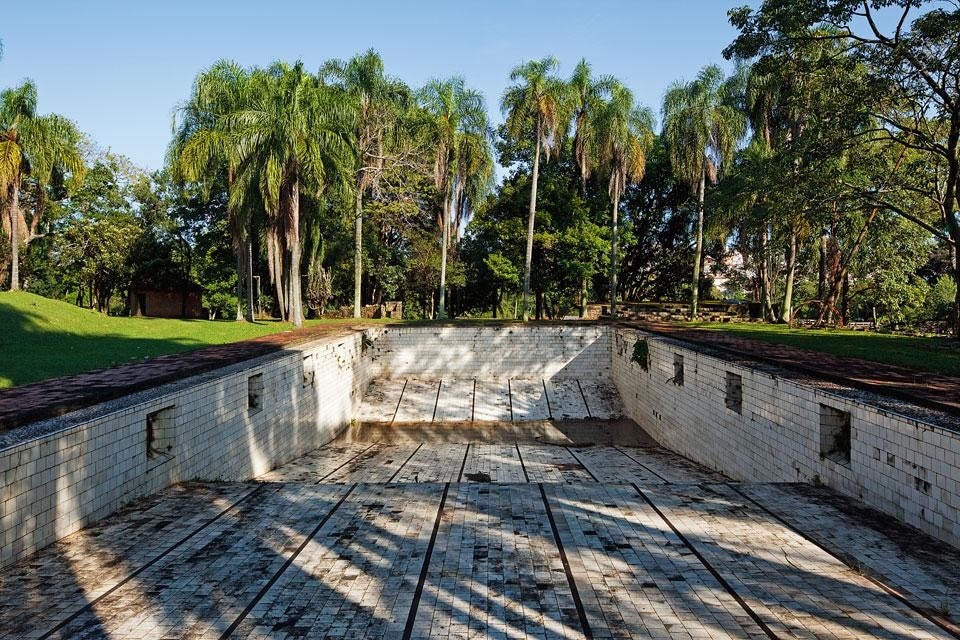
{"x": 508, "y": 540}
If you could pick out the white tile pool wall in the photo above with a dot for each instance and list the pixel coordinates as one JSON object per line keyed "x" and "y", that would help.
{"x": 496, "y": 351}
{"x": 207, "y": 429}
{"x": 98, "y": 461}
{"x": 901, "y": 466}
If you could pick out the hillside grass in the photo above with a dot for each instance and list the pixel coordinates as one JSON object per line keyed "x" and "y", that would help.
{"x": 42, "y": 338}
{"x": 935, "y": 354}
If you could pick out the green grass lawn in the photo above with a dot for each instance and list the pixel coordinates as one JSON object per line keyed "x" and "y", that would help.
{"x": 42, "y": 338}
{"x": 940, "y": 355}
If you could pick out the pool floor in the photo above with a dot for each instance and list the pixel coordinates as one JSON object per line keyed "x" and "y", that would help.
{"x": 438, "y": 539}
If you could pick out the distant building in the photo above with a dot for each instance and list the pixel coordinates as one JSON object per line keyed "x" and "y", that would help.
{"x": 180, "y": 301}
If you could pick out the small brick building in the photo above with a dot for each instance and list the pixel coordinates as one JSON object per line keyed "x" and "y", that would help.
{"x": 184, "y": 301}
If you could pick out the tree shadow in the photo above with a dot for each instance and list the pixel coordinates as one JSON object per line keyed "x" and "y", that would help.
{"x": 57, "y": 369}
{"x": 357, "y": 573}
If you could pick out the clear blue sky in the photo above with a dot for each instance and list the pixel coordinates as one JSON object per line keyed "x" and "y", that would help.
{"x": 118, "y": 69}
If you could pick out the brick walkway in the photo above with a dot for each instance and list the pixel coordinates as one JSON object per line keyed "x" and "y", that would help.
{"x": 48, "y": 398}
{"x": 456, "y": 540}
{"x": 29, "y": 403}
{"x": 938, "y": 392}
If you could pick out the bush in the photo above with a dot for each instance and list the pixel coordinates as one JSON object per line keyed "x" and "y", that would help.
{"x": 939, "y": 300}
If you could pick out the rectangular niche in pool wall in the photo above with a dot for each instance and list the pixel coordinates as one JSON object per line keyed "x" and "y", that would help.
{"x": 677, "y": 378}
{"x": 161, "y": 427}
{"x": 309, "y": 371}
{"x": 835, "y": 434}
{"x": 734, "y": 398}
{"x": 255, "y": 392}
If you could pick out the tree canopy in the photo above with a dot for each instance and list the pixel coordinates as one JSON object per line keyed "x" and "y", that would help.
{"x": 818, "y": 181}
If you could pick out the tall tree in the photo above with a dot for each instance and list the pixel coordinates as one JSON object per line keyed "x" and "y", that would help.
{"x": 202, "y": 149}
{"x": 623, "y": 133}
{"x": 762, "y": 103}
{"x": 463, "y": 165}
{"x": 31, "y": 145}
{"x": 537, "y": 103}
{"x": 587, "y": 95}
{"x": 913, "y": 66}
{"x": 377, "y": 100}
{"x": 293, "y": 137}
{"x": 702, "y": 126}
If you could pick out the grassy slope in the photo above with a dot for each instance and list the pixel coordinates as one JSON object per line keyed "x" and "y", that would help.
{"x": 940, "y": 355}
{"x": 42, "y": 338}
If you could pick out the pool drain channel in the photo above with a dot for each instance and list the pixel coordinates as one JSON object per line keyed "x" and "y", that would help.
{"x": 463, "y": 465}
{"x": 577, "y": 602}
{"x": 709, "y": 567}
{"x": 400, "y": 468}
{"x": 345, "y": 463}
{"x": 276, "y": 576}
{"x": 641, "y": 465}
{"x": 436, "y": 401}
{"x": 424, "y": 570}
{"x": 399, "y": 400}
{"x": 582, "y": 464}
{"x": 522, "y": 466}
{"x": 547, "y": 396}
{"x": 586, "y": 405}
{"x": 90, "y": 605}
{"x": 943, "y": 624}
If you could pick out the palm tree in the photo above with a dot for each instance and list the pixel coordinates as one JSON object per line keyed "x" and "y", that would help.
{"x": 377, "y": 100}
{"x": 32, "y": 146}
{"x": 463, "y": 166}
{"x": 202, "y": 148}
{"x": 762, "y": 95}
{"x": 623, "y": 133}
{"x": 294, "y": 135}
{"x": 702, "y": 126}
{"x": 538, "y": 102}
{"x": 587, "y": 94}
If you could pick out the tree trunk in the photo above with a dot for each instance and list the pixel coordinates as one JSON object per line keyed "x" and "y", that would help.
{"x": 760, "y": 289}
{"x": 822, "y": 272}
{"x": 528, "y": 260}
{"x": 698, "y": 252}
{"x": 768, "y": 312}
{"x": 240, "y": 280}
{"x": 613, "y": 258}
{"x": 249, "y": 255}
{"x": 845, "y": 261}
{"x": 953, "y": 228}
{"x": 787, "y": 312}
{"x": 584, "y": 292}
{"x": 444, "y": 242}
{"x": 951, "y": 204}
{"x": 845, "y": 300}
{"x": 358, "y": 247}
{"x": 296, "y": 287}
{"x": 956, "y": 300}
{"x": 15, "y": 235}
{"x": 275, "y": 255}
